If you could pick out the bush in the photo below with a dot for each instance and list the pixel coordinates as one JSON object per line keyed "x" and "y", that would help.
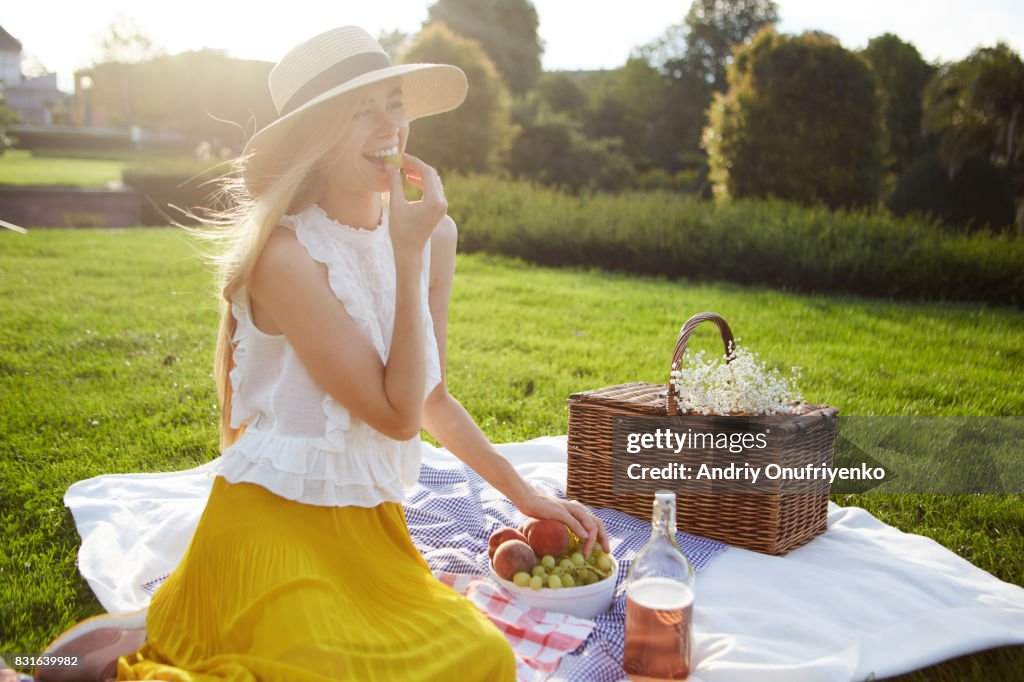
{"x": 684, "y": 181}
{"x": 977, "y": 196}
{"x": 801, "y": 121}
{"x": 767, "y": 242}
{"x": 177, "y": 182}
{"x": 654, "y": 179}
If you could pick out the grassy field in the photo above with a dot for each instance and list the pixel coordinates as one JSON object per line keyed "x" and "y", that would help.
{"x": 20, "y": 167}
{"x": 106, "y": 355}
{"x": 90, "y": 168}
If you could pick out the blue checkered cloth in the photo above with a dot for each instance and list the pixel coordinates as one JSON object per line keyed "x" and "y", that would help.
{"x": 451, "y": 513}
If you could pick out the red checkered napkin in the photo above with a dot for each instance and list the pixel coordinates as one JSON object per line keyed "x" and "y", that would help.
{"x": 539, "y": 638}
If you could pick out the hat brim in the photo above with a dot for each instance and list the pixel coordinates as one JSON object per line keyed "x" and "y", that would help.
{"x": 427, "y": 89}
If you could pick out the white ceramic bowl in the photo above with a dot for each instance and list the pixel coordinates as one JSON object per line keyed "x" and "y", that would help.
{"x": 585, "y": 601}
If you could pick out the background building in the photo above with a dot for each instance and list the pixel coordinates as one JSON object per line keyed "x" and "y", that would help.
{"x": 37, "y": 100}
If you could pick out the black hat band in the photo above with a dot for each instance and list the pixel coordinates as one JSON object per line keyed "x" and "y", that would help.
{"x": 339, "y": 74}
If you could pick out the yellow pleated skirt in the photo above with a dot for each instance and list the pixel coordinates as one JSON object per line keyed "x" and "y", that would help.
{"x": 275, "y": 590}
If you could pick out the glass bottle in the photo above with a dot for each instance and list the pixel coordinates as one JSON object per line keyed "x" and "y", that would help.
{"x": 659, "y": 602}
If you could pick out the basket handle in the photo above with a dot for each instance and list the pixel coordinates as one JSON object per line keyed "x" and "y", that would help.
{"x": 684, "y": 337}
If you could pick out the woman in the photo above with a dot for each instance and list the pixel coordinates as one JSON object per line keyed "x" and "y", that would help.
{"x": 331, "y": 356}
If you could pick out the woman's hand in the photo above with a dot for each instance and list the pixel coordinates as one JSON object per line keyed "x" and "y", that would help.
{"x": 413, "y": 222}
{"x": 570, "y": 512}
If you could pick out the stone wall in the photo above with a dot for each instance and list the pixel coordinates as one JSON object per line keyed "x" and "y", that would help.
{"x": 69, "y": 207}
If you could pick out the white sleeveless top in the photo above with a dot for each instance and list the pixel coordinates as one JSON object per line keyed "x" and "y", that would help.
{"x": 299, "y": 442}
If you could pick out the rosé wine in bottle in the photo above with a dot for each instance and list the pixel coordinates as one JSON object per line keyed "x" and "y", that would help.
{"x": 658, "y": 614}
{"x": 659, "y": 602}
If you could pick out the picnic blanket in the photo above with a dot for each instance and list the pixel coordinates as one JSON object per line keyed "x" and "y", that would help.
{"x": 539, "y": 638}
{"x": 452, "y": 512}
{"x": 862, "y": 601}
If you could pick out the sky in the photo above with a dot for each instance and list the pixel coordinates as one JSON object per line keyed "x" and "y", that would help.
{"x": 577, "y": 34}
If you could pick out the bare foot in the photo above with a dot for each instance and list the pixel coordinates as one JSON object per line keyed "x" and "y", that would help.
{"x": 100, "y": 650}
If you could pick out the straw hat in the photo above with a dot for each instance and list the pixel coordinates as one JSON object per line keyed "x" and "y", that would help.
{"x": 331, "y": 65}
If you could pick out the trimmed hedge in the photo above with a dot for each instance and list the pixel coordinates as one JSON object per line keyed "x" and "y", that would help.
{"x": 86, "y": 139}
{"x": 179, "y": 182}
{"x": 33, "y": 139}
{"x": 767, "y": 242}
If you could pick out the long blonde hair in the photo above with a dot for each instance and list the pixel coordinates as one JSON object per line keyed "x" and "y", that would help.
{"x": 240, "y": 227}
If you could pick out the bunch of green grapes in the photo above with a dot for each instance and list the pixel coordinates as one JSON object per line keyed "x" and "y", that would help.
{"x": 569, "y": 570}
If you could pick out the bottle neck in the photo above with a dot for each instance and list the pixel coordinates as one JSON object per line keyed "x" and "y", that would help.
{"x": 662, "y": 556}
{"x": 664, "y": 520}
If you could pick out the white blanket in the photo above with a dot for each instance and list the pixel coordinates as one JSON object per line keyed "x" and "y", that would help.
{"x": 862, "y": 601}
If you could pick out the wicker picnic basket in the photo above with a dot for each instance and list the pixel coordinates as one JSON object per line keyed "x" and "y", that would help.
{"x": 772, "y": 523}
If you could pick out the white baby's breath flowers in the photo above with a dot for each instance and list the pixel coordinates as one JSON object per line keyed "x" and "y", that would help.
{"x": 743, "y": 385}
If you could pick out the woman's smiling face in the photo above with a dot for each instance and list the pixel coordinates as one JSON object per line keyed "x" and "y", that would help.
{"x": 378, "y": 127}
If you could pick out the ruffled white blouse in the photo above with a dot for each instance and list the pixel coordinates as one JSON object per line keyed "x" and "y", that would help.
{"x": 299, "y": 442}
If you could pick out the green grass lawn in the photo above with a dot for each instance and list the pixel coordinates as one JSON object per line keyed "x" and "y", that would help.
{"x": 20, "y": 167}
{"x": 106, "y": 353}
{"x": 90, "y": 168}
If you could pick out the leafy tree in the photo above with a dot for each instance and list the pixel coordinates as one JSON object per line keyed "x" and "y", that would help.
{"x": 116, "y": 82}
{"x": 703, "y": 43}
{"x": 32, "y": 66}
{"x": 692, "y": 57}
{"x": 213, "y": 95}
{"x": 801, "y": 121}
{"x": 652, "y": 114}
{"x": 203, "y": 94}
{"x": 126, "y": 42}
{"x": 394, "y": 43}
{"x": 551, "y": 147}
{"x": 628, "y": 104}
{"x": 507, "y": 30}
{"x": 977, "y": 106}
{"x": 685, "y": 100}
{"x": 562, "y": 94}
{"x": 902, "y": 75}
{"x": 115, "y": 91}
{"x": 978, "y": 195}
{"x": 476, "y": 136}
{"x": 553, "y": 151}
